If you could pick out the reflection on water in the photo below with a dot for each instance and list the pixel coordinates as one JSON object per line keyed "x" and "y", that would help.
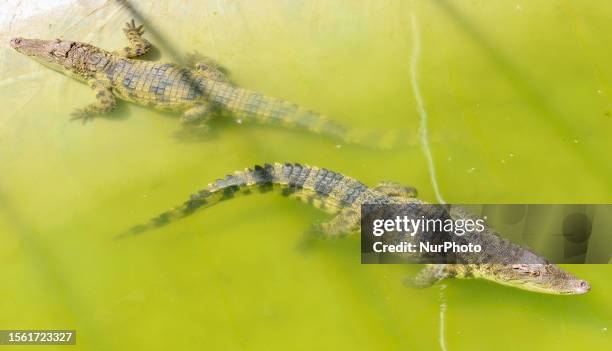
{"x": 516, "y": 96}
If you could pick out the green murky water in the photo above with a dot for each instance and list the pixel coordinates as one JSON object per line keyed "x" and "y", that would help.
{"x": 518, "y": 98}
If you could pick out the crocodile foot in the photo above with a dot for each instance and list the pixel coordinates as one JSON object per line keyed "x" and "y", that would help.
{"x": 82, "y": 115}
{"x": 130, "y": 27}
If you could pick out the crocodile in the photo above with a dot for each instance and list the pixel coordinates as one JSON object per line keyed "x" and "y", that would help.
{"x": 343, "y": 196}
{"x": 199, "y": 91}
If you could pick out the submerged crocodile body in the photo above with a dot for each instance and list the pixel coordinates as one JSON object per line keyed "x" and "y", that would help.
{"x": 197, "y": 92}
{"x": 343, "y": 196}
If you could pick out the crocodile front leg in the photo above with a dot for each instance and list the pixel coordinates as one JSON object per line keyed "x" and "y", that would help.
{"x": 138, "y": 45}
{"x": 105, "y": 102}
{"x": 428, "y": 276}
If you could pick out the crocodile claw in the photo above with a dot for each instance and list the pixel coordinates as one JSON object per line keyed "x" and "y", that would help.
{"x": 81, "y": 115}
{"x": 131, "y": 27}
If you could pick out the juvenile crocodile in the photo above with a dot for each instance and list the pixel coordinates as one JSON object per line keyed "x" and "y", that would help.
{"x": 343, "y": 196}
{"x": 197, "y": 92}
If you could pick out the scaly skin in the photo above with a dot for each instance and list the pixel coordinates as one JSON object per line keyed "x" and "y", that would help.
{"x": 196, "y": 92}
{"x": 343, "y": 196}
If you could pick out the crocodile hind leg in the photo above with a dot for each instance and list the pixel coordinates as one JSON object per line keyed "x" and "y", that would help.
{"x": 195, "y": 122}
{"x": 105, "y": 102}
{"x": 207, "y": 67}
{"x": 197, "y": 115}
{"x": 428, "y": 276}
{"x": 345, "y": 223}
{"x": 394, "y": 189}
{"x": 138, "y": 45}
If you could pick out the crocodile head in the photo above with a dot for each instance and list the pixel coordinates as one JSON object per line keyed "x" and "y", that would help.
{"x": 518, "y": 266}
{"x": 542, "y": 278}
{"x": 69, "y": 57}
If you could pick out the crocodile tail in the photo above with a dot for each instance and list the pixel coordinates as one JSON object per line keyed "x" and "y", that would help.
{"x": 324, "y": 189}
{"x": 248, "y": 105}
